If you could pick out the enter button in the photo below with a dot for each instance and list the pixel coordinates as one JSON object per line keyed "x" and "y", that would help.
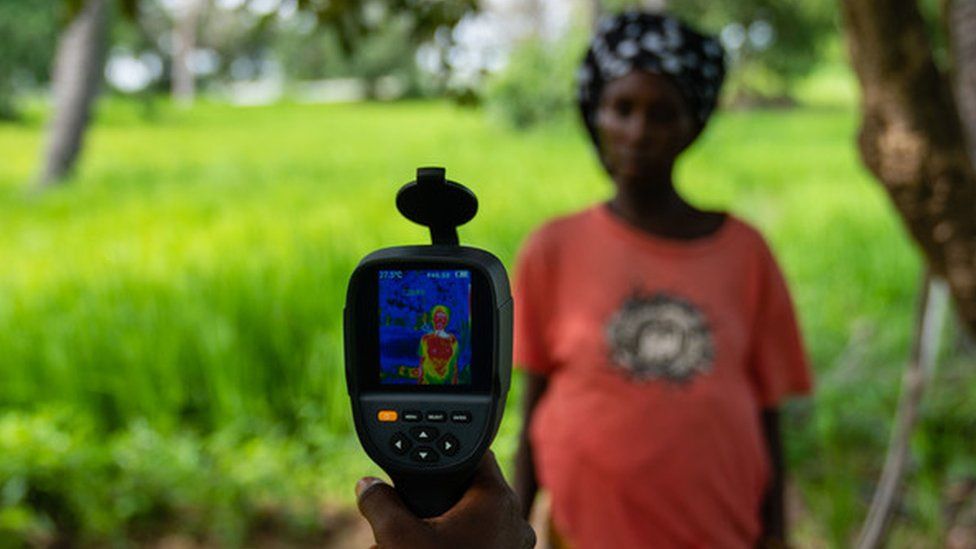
{"x": 461, "y": 417}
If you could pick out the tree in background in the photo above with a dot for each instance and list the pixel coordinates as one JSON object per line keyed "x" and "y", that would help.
{"x": 308, "y": 54}
{"x": 80, "y": 56}
{"x": 913, "y": 139}
{"x": 28, "y": 31}
{"x": 77, "y": 74}
{"x": 961, "y": 16}
{"x": 186, "y": 14}
{"x": 383, "y": 37}
{"x": 771, "y": 44}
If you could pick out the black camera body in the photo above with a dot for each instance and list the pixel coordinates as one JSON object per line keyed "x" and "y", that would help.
{"x": 428, "y": 351}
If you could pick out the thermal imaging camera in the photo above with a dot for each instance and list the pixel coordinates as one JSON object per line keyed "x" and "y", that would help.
{"x": 428, "y": 349}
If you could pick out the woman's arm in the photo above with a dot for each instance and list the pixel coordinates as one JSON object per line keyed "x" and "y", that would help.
{"x": 773, "y": 513}
{"x": 526, "y": 484}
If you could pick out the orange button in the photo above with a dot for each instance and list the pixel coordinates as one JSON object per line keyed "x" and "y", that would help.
{"x": 387, "y": 415}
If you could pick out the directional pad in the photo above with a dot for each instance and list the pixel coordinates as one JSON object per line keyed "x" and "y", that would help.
{"x": 424, "y": 434}
{"x": 400, "y": 444}
{"x": 424, "y": 454}
{"x": 448, "y": 445}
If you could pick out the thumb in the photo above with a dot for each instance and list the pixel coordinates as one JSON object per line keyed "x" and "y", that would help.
{"x": 386, "y": 513}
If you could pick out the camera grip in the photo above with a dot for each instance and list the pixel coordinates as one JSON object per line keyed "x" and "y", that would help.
{"x": 430, "y": 496}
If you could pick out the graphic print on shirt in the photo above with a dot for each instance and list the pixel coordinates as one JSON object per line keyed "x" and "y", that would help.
{"x": 660, "y": 336}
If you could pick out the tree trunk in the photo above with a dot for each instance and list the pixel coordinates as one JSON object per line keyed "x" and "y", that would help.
{"x": 929, "y": 320}
{"x": 911, "y": 139}
{"x": 594, "y": 10}
{"x": 960, "y": 21}
{"x": 962, "y": 38}
{"x": 78, "y": 66}
{"x": 654, "y": 5}
{"x": 187, "y": 17}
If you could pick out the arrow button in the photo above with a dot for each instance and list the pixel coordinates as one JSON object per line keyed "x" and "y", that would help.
{"x": 424, "y": 454}
{"x": 400, "y": 444}
{"x": 424, "y": 434}
{"x": 448, "y": 445}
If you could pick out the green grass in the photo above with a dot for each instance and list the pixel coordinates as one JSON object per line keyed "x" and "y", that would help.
{"x": 186, "y": 288}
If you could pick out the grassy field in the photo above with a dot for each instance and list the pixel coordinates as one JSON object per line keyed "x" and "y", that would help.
{"x": 170, "y": 339}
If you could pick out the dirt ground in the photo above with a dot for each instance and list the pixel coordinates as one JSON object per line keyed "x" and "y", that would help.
{"x": 348, "y": 530}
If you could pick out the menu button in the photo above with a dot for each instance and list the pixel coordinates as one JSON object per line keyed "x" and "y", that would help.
{"x": 411, "y": 415}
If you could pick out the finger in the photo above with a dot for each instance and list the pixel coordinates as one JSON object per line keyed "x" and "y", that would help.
{"x": 528, "y": 536}
{"x": 385, "y": 511}
{"x": 364, "y": 484}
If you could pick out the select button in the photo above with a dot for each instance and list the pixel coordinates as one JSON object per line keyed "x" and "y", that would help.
{"x": 436, "y": 416}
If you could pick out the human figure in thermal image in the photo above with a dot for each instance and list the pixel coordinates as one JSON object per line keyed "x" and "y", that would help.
{"x": 438, "y": 351}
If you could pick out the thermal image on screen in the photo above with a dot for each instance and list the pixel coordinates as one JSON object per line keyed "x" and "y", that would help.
{"x": 425, "y": 327}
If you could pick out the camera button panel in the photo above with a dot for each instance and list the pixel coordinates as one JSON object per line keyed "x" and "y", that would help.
{"x": 427, "y": 433}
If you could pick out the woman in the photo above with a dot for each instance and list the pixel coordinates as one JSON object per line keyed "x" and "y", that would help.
{"x": 658, "y": 339}
{"x": 438, "y": 351}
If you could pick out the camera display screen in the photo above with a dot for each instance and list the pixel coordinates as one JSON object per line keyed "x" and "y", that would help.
{"x": 424, "y": 327}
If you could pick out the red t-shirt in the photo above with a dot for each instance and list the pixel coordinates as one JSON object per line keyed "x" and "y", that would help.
{"x": 660, "y": 355}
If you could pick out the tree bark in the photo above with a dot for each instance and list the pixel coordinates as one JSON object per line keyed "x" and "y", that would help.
{"x": 962, "y": 39}
{"x": 960, "y": 22}
{"x": 912, "y": 140}
{"x": 78, "y": 67}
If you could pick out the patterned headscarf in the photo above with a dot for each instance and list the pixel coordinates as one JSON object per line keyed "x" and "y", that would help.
{"x": 656, "y": 43}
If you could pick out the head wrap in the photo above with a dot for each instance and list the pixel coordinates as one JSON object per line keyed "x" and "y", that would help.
{"x": 656, "y": 43}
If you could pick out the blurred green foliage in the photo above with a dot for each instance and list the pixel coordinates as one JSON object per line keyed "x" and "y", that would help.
{"x": 800, "y": 30}
{"x": 538, "y": 84}
{"x": 66, "y": 482}
{"x": 311, "y": 54}
{"x": 28, "y": 29}
{"x": 369, "y": 41}
{"x": 353, "y": 20}
{"x": 170, "y": 340}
